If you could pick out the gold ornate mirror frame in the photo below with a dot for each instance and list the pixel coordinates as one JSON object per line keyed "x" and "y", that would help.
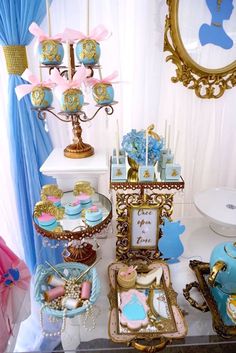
{"x": 207, "y": 83}
{"x": 125, "y": 204}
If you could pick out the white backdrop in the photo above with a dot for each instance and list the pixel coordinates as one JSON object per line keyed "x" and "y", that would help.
{"x": 146, "y": 95}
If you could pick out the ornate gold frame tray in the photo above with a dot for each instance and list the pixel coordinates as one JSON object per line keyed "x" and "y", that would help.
{"x": 165, "y": 319}
{"x": 201, "y": 270}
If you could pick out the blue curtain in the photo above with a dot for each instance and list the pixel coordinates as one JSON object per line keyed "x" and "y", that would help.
{"x": 30, "y": 145}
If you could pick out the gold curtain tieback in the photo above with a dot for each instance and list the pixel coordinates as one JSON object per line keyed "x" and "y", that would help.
{"x": 16, "y": 59}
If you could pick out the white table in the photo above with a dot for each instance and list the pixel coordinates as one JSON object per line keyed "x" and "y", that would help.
{"x": 67, "y": 171}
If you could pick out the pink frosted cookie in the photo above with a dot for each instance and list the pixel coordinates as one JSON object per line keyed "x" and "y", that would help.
{"x": 56, "y": 200}
{"x": 46, "y": 219}
{"x": 133, "y": 309}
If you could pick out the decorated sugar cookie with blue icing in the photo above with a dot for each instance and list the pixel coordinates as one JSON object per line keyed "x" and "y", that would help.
{"x": 134, "y": 309}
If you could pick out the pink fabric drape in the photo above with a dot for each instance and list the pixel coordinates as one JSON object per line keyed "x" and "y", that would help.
{"x": 14, "y": 284}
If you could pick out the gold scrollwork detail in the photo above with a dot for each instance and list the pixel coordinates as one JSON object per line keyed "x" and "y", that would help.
{"x": 38, "y": 95}
{"x": 71, "y": 99}
{"x": 88, "y": 49}
{"x": 125, "y": 201}
{"x": 100, "y": 91}
{"x": 207, "y": 83}
{"x": 50, "y": 50}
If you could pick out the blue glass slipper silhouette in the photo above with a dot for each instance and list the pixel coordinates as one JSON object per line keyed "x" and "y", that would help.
{"x": 134, "y": 310}
{"x": 170, "y": 243}
{"x": 215, "y": 33}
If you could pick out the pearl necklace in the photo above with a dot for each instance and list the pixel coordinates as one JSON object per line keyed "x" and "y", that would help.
{"x": 52, "y": 334}
{"x": 90, "y": 314}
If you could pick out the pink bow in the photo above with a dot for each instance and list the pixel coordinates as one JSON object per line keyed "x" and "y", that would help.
{"x": 128, "y": 271}
{"x": 63, "y": 84}
{"x": 99, "y": 33}
{"x": 27, "y": 75}
{"x": 39, "y": 33}
{"x": 92, "y": 81}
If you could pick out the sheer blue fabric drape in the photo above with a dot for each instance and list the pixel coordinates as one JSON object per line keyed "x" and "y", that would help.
{"x": 29, "y": 142}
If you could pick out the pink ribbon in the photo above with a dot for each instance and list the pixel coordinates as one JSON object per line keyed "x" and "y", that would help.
{"x": 92, "y": 81}
{"x": 63, "y": 84}
{"x": 99, "y": 33}
{"x": 27, "y": 75}
{"x": 128, "y": 271}
{"x": 39, "y": 33}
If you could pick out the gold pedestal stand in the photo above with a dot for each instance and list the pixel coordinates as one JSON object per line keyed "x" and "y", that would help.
{"x": 78, "y": 149}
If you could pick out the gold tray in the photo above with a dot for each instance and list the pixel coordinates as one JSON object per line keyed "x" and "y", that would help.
{"x": 202, "y": 269}
{"x": 164, "y": 328}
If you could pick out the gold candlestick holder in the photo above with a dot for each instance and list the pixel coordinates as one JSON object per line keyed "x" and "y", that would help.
{"x": 78, "y": 149}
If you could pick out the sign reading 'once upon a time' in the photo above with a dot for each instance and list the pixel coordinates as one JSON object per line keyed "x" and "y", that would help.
{"x": 144, "y": 227}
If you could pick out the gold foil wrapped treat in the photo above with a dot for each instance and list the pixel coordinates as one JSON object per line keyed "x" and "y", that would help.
{"x": 83, "y": 187}
{"x": 50, "y": 190}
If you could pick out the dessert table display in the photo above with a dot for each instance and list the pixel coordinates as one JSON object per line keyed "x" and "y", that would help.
{"x": 145, "y": 176}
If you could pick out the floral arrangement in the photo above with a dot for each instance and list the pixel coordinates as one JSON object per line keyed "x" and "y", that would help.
{"x": 134, "y": 144}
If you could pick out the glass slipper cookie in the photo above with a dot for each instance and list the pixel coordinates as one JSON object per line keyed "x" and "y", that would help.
{"x": 84, "y": 199}
{"x": 126, "y": 277}
{"x": 134, "y": 309}
{"x": 73, "y": 208}
{"x": 147, "y": 278}
{"x": 93, "y": 214}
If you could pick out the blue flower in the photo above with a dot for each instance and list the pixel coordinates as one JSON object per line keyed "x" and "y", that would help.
{"x": 134, "y": 144}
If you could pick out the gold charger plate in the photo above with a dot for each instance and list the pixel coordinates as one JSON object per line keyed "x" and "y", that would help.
{"x": 201, "y": 270}
{"x": 166, "y": 321}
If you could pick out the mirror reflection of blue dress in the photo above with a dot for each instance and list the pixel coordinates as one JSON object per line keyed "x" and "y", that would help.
{"x": 214, "y": 33}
